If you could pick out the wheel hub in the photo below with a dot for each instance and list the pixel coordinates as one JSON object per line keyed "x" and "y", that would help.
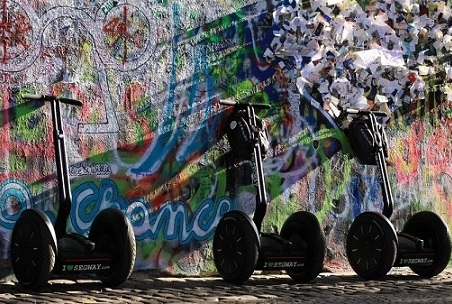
{"x": 367, "y": 246}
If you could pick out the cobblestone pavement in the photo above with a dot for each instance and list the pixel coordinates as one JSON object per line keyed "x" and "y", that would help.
{"x": 399, "y": 286}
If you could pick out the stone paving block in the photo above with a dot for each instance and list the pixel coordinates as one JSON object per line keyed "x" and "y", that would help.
{"x": 339, "y": 288}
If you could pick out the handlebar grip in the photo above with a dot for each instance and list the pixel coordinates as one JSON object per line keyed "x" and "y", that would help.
{"x": 244, "y": 105}
{"x": 261, "y": 106}
{"x": 71, "y": 101}
{"x": 228, "y": 102}
{"x": 33, "y": 96}
{"x": 352, "y": 111}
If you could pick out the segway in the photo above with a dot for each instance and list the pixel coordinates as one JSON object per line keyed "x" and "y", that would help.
{"x": 39, "y": 249}
{"x": 239, "y": 245}
{"x": 373, "y": 246}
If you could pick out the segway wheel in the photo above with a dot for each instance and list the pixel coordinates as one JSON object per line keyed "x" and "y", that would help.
{"x": 33, "y": 249}
{"x": 371, "y": 245}
{"x": 429, "y": 227}
{"x": 236, "y": 247}
{"x": 303, "y": 230}
{"x": 112, "y": 232}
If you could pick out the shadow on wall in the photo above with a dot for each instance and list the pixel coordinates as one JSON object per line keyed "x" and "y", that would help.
{"x": 167, "y": 166}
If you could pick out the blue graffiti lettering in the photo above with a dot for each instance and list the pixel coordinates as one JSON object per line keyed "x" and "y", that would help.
{"x": 14, "y": 198}
{"x": 88, "y": 200}
{"x": 174, "y": 221}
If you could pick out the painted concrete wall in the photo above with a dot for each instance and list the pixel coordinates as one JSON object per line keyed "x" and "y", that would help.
{"x": 149, "y": 138}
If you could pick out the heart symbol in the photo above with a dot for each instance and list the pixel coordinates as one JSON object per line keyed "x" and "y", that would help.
{"x": 70, "y": 267}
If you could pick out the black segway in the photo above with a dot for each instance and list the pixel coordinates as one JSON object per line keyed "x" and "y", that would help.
{"x": 39, "y": 249}
{"x": 373, "y": 246}
{"x": 239, "y": 246}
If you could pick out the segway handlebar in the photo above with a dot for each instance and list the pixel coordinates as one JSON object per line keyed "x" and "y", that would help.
{"x": 258, "y": 106}
{"x": 358, "y": 111}
{"x": 39, "y": 97}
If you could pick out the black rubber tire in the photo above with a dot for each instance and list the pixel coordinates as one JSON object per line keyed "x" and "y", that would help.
{"x": 112, "y": 232}
{"x": 33, "y": 249}
{"x": 303, "y": 230}
{"x": 236, "y": 247}
{"x": 431, "y": 228}
{"x": 371, "y": 245}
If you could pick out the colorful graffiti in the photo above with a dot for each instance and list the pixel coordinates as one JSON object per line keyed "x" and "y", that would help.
{"x": 149, "y": 138}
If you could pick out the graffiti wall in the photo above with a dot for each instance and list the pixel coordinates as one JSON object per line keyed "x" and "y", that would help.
{"x": 150, "y": 136}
